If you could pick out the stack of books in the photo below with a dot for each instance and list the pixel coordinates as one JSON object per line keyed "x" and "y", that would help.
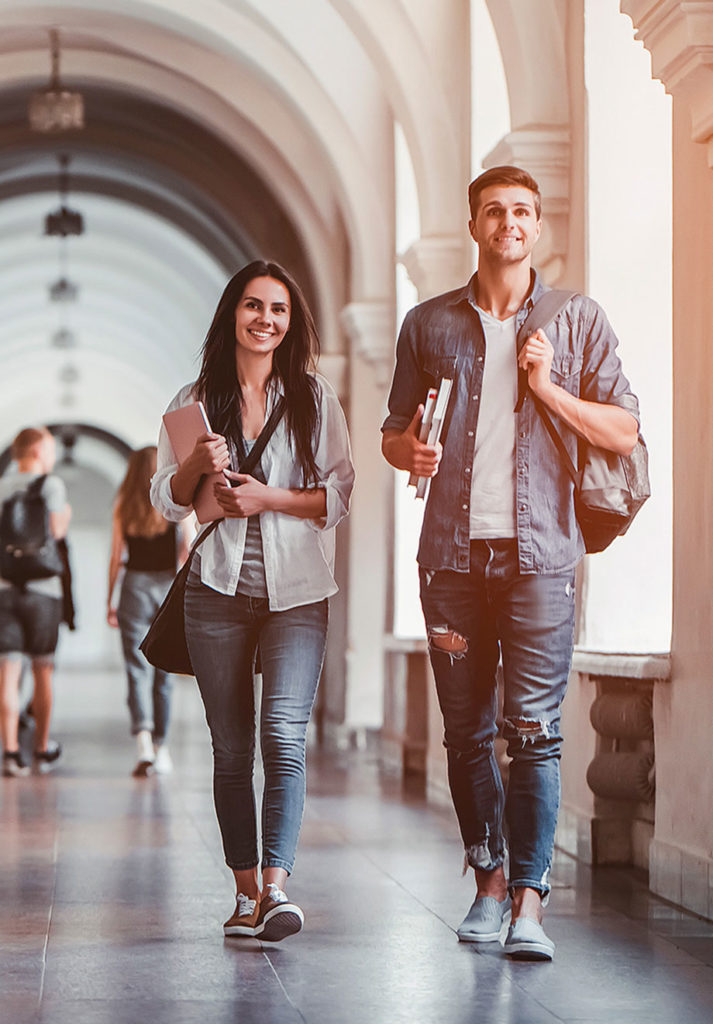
{"x": 434, "y": 412}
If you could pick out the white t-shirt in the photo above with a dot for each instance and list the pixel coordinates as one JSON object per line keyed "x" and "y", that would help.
{"x": 492, "y": 491}
{"x": 55, "y": 494}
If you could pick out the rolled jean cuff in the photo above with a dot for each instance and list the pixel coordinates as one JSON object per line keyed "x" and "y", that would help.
{"x": 479, "y": 858}
{"x": 275, "y": 862}
{"x": 146, "y": 725}
{"x": 528, "y": 883}
{"x": 245, "y": 866}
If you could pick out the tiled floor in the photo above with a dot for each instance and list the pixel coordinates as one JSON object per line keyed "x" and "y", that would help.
{"x": 112, "y": 893}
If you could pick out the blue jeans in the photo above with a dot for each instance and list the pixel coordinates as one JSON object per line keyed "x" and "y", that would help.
{"x": 222, "y": 634}
{"x": 471, "y": 619}
{"x": 150, "y": 689}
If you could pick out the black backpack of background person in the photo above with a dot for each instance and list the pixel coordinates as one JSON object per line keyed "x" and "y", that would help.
{"x": 28, "y": 551}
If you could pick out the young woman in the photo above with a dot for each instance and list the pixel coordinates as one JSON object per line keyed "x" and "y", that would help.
{"x": 152, "y": 549}
{"x": 264, "y": 575}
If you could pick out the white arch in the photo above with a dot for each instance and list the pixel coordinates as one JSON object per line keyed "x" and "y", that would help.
{"x": 531, "y": 35}
{"x": 420, "y": 105}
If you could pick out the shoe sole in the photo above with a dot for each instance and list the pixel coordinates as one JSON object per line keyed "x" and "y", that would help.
{"x": 279, "y": 924}
{"x": 142, "y": 769}
{"x": 487, "y": 936}
{"x": 21, "y": 773}
{"x": 244, "y": 930}
{"x": 529, "y": 951}
{"x": 470, "y": 937}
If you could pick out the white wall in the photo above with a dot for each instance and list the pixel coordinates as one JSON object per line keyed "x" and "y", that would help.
{"x": 628, "y": 596}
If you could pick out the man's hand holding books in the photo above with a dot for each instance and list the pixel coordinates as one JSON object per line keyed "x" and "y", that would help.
{"x": 418, "y": 448}
{"x": 419, "y": 457}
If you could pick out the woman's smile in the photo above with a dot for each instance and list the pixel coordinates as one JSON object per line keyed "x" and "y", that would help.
{"x": 262, "y": 316}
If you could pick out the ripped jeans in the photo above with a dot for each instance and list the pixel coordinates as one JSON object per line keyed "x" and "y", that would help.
{"x": 471, "y": 619}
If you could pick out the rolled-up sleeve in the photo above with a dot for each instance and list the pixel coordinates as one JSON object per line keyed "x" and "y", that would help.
{"x": 333, "y": 458}
{"x": 166, "y": 466}
{"x": 603, "y": 379}
{"x": 407, "y": 384}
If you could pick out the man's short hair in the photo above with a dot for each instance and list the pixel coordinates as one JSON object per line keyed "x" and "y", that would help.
{"x": 505, "y": 175}
{"x": 26, "y": 440}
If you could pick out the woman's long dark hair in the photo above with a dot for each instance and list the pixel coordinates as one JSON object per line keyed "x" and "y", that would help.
{"x": 218, "y": 386}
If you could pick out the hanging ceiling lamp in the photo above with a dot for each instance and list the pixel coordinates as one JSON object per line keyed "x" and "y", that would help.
{"x": 63, "y": 221}
{"x": 63, "y": 290}
{"x": 64, "y": 338}
{"x": 56, "y": 109}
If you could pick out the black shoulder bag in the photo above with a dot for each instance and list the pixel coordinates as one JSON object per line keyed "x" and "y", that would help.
{"x": 609, "y": 489}
{"x": 164, "y": 646}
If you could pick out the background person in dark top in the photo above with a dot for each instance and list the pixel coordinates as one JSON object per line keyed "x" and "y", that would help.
{"x": 150, "y": 548}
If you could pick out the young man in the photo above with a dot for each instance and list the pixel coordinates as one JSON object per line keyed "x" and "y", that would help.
{"x": 500, "y": 541}
{"x": 30, "y": 614}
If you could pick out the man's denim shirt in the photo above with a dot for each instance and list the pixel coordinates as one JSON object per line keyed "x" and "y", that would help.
{"x": 443, "y": 337}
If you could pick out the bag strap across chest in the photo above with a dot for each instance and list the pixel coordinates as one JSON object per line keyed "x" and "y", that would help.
{"x": 545, "y": 310}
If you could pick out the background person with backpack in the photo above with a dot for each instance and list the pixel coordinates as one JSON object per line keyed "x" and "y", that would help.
{"x": 34, "y": 513}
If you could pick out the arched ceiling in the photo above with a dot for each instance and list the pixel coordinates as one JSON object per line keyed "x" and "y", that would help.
{"x": 177, "y": 188}
{"x": 214, "y": 132}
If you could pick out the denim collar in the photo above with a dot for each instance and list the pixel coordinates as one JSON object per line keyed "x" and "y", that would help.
{"x": 468, "y": 293}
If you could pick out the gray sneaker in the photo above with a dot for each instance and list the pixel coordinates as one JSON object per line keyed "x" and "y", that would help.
{"x": 484, "y": 920}
{"x": 526, "y": 940}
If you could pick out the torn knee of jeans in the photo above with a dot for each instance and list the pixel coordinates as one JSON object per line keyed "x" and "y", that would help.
{"x": 447, "y": 640}
{"x": 530, "y": 728}
{"x": 468, "y": 750}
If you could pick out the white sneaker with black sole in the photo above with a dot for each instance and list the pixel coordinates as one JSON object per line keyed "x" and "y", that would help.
{"x": 13, "y": 764}
{"x": 44, "y": 761}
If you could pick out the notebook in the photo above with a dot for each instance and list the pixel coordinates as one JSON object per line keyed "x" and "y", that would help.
{"x": 184, "y": 426}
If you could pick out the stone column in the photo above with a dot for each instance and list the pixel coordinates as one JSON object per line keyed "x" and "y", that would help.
{"x": 438, "y": 263}
{"x": 370, "y": 327}
{"x": 679, "y": 36}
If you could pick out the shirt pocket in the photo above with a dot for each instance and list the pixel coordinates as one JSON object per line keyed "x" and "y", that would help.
{"x": 436, "y": 367}
{"x": 566, "y": 371}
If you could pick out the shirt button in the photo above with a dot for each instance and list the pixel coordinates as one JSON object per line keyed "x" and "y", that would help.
{"x": 470, "y": 433}
{"x": 480, "y": 359}
{"x": 467, "y": 469}
{"x": 465, "y": 508}
{"x": 475, "y": 398}
{"x": 522, "y": 433}
{"x": 523, "y": 508}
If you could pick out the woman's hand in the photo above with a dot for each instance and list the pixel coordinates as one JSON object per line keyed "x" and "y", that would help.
{"x": 210, "y": 454}
{"x": 247, "y": 499}
{"x": 111, "y": 617}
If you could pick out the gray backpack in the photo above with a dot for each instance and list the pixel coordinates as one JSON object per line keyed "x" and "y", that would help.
{"x": 609, "y": 489}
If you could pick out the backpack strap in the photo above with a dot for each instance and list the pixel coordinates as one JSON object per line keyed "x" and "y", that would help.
{"x": 545, "y": 310}
{"x": 35, "y": 488}
{"x": 558, "y": 442}
{"x": 547, "y": 307}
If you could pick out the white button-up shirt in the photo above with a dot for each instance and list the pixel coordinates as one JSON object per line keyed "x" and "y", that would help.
{"x": 298, "y": 553}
